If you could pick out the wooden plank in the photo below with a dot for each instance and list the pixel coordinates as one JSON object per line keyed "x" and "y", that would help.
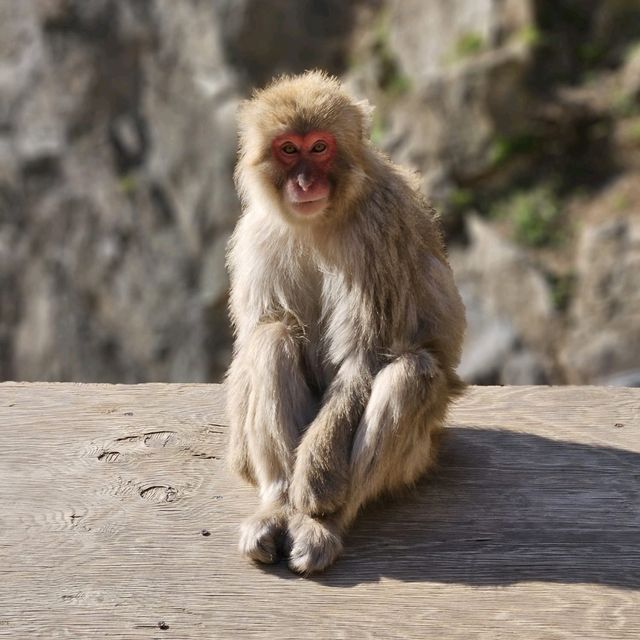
{"x": 530, "y": 529}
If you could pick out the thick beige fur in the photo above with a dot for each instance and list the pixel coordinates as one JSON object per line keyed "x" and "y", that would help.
{"x": 348, "y": 329}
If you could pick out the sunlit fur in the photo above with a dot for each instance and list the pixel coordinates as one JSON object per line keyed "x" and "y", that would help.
{"x": 348, "y": 329}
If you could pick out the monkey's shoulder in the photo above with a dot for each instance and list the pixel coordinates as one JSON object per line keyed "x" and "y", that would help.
{"x": 395, "y": 195}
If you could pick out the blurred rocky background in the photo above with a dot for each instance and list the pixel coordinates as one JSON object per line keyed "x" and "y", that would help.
{"x": 117, "y": 145}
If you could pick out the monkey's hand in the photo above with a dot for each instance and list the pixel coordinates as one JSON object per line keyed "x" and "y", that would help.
{"x": 321, "y": 474}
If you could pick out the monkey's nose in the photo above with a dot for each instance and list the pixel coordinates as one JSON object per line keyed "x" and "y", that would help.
{"x": 304, "y": 182}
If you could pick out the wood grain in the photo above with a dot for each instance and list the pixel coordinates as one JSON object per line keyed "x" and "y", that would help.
{"x": 118, "y": 519}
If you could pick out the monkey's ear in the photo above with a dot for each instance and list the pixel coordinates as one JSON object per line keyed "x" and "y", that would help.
{"x": 366, "y": 110}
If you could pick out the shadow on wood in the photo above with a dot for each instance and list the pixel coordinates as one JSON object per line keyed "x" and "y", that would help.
{"x": 506, "y": 507}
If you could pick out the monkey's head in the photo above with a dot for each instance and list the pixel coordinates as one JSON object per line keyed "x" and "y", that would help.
{"x": 302, "y": 144}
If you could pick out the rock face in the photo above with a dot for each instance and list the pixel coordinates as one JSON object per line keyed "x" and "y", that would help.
{"x": 604, "y": 342}
{"x": 116, "y": 191}
{"x": 117, "y": 146}
{"x": 263, "y": 39}
{"x": 509, "y": 311}
{"x": 468, "y": 66}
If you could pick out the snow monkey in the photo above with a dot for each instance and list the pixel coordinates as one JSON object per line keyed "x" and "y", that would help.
{"x": 348, "y": 324}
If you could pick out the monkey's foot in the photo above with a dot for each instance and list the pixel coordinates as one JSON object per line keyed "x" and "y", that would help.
{"x": 262, "y": 536}
{"x": 315, "y": 544}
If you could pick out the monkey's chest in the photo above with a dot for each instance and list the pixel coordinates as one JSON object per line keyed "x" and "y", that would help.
{"x": 342, "y": 322}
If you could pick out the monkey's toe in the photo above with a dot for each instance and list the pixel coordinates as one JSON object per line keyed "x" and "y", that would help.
{"x": 315, "y": 544}
{"x": 261, "y": 538}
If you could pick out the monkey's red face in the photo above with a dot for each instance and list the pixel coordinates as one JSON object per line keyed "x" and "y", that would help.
{"x": 306, "y": 160}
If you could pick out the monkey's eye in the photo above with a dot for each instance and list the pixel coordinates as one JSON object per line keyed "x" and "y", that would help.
{"x": 288, "y": 148}
{"x": 319, "y": 147}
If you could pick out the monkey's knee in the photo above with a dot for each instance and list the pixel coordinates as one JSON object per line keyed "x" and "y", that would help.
{"x": 410, "y": 384}
{"x": 274, "y": 345}
{"x": 392, "y": 444}
{"x": 274, "y": 358}
{"x": 413, "y": 380}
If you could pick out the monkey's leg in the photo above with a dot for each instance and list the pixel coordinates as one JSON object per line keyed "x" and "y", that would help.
{"x": 270, "y": 403}
{"x": 396, "y": 440}
{"x": 392, "y": 447}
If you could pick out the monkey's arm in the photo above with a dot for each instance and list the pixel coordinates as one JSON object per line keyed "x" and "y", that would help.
{"x": 269, "y": 403}
{"x": 321, "y": 474}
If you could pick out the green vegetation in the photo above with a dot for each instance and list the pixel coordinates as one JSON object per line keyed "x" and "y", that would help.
{"x": 529, "y": 35}
{"x": 622, "y": 202}
{"x": 395, "y": 83}
{"x": 391, "y": 79}
{"x": 504, "y": 148}
{"x": 127, "y": 184}
{"x": 378, "y": 128}
{"x": 634, "y": 132}
{"x": 468, "y": 44}
{"x": 460, "y": 199}
{"x": 632, "y": 51}
{"x": 625, "y": 106}
{"x": 591, "y": 53}
{"x": 536, "y": 216}
{"x": 562, "y": 289}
